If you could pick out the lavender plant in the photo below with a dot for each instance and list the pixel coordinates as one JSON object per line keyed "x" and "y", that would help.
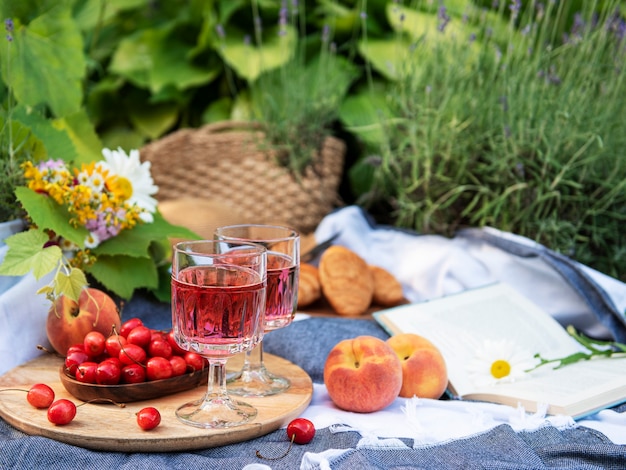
{"x": 492, "y": 119}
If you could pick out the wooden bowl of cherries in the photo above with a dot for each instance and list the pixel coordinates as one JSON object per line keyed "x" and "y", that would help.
{"x": 138, "y": 363}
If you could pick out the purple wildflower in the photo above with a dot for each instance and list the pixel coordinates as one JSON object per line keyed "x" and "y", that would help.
{"x": 282, "y": 19}
{"x": 443, "y": 17}
{"x": 219, "y": 29}
{"x": 325, "y": 33}
{"x": 9, "y": 27}
{"x": 515, "y": 7}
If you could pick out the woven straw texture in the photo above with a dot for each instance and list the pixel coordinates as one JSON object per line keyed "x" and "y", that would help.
{"x": 228, "y": 163}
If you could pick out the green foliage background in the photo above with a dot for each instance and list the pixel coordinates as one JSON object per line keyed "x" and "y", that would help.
{"x": 447, "y": 127}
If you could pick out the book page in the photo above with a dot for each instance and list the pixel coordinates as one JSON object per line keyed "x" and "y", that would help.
{"x": 459, "y": 324}
{"x": 576, "y": 389}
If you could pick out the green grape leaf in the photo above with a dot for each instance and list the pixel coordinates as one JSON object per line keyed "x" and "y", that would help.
{"x": 47, "y": 214}
{"x": 249, "y": 61}
{"x": 156, "y": 58}
{"x": 71, "y": 284}
{"x": 53, "y": 39}
{"x": 136, "y": 242}
{"x": 26, "y": 254}
{"x": 124, "y": 274}
{"x": 83, "y": 135}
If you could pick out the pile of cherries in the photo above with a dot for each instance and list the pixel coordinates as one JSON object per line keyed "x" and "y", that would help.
{"x": 133, "y": 355}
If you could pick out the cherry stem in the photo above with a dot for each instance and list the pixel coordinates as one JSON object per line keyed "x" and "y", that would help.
{"x": 284, "y": 454}
{"x": 103, "y": 400}
{"x": 54, "y": 353}
{"x": 14, "y": 390}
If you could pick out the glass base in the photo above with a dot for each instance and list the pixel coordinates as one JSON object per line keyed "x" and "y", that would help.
{"x": 216, "y": 413}
{"x": 258, "y": 382}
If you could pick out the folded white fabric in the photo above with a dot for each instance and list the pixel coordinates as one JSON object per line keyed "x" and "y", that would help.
{"x": 431, "y": 266}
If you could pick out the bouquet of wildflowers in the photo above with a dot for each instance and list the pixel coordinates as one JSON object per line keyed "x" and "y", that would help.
{"x": 99, "y": 218}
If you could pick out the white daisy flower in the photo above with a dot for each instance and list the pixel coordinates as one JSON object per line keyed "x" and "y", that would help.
{"x": 138, "y": 178}
{"x": 499, "y": 361}
{"x": 92, "y": 240}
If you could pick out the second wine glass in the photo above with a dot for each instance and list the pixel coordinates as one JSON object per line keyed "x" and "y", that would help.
{"x": 283, "y": 266}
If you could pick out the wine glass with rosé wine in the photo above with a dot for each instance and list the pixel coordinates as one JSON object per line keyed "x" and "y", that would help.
{"x": 218, "y": 306}
{"x": 283, "y": 266}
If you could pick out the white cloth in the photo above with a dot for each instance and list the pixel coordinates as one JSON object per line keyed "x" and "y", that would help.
{"x": 432, "y": 266}
{"x": 23, "y": 315}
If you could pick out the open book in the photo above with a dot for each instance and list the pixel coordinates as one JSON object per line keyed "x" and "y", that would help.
{"x": 460, "y": 324}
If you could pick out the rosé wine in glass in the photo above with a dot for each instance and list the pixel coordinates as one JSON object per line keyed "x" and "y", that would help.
{"x": 218, "y": 309}
{"x": 283, "y": 267}
{"x": 214, "y": 320}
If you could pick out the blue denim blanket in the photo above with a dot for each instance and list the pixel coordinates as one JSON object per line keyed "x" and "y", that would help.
{"x": 307, "y": 343}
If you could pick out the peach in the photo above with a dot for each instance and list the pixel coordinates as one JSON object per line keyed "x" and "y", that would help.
{"x": 424, "y": 371}
{"x": 362, "y": 374}
{"x": 68, "y": 321}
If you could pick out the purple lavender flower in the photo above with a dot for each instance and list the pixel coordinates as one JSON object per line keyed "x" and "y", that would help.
{"x": 515, "y": 7}
{"x": 219, "y": 29}
{"x": 282, "y": 19}
{"x": 325, "y": 33}
{"x": 443, "y": 17}
{"x": 9, "y": 27}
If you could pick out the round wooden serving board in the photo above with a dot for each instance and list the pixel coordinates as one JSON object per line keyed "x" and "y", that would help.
{"x": 111, "y": 428}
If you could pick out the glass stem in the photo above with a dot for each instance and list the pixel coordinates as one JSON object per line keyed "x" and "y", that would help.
{"x": 217, "y": 380}
{"x": 254, "y": 358}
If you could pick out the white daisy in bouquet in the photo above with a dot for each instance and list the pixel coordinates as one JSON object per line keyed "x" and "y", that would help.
{"x": 98, "y": 218}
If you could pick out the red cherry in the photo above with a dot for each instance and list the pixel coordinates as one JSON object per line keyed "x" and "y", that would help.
{"x": 133, "y": 374}
{"x": 148, "y": 418}
{"x": 86, "y": 372}
{"x": 160, "y": 347}
{"x": 40, "y": 396}
{"x": 157, "y": 334}
{"x": 108, "y": 373}
{"x": 194, "y": 360}
{"x": 158, "y": 368}
{"x": 61, "y": 412}
{"x": 301, "y": 430}
{"x": 94, "y": 343}
{"x": 74, "y": 359}
{"x": 176, "y": 349}
{"x": 113, "y": 345}
{"x": 179, "y": 366}
{"x": 132, "y": 354}
{"x": 140, "y": 336}
{"x": 129, "y": 325}
{"x": 75, "y": 347}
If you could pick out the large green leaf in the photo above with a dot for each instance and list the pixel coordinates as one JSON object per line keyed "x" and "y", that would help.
{"x": 26, "y": 254}
{"x": 152, "y": 121}
{"x": 47, "y": 214}
{"x": 83, "y": 135}
{"x": 124, "y": 274}
{"x": 136, "y": 242}
{"x": 155, "y": 59}
{"x": 45, "y": 63}
{"x": 249, "y": 61}
{"x": 364, "y": 113}
{"x": 46, "y": 141}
